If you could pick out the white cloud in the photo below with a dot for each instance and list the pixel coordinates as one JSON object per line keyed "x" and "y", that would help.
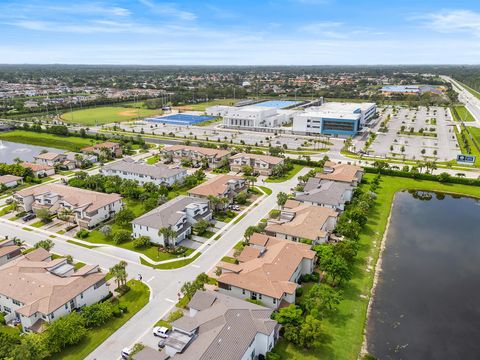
{"x": 168, "y": 9}
{"x": 452, "y": 21}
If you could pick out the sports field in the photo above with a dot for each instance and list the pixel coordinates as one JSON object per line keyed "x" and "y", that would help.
{"x": 107, "y": 114}
{"x": 202, "y": 106}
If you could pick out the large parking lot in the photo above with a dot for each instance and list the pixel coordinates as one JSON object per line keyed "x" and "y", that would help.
{"x": 418, "y": 134}
{"x": 211, "y": 132}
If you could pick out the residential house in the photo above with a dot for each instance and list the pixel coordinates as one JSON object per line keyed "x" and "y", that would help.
{"x": 54, "y": 159}
{"x": 341, "y": 172}
{"x": 326, "y": 193}
{"x": 35, "y": 289}
{"x": 262, "y": 164}
{"x": 178, "y": 214}
{"x": 222, "y": 187}
{"x": 299, "y": 221}
{"x": 196, "y": 154}
{"x": 268, "y": 270}
{"x": 89, "y": 208}
{"x": 219, "y": 326}
{"x": 106, "y": 147}
{"x": 8, "y": 251}
{"x": 158, "y": 174}
{"x": 78, "y": 159}
{"x": 39, "y": 170}
{"x": 10, "y": 181}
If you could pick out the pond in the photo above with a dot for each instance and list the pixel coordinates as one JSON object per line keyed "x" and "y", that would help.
{"x": 427, "y": 299}
{"x": 10, "y": 150}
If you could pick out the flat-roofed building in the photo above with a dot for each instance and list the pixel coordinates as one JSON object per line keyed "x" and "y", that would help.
{"x": 269, "y": 269}
{"x": 257, "y": 117}
{"x": 178, "y": 214}
{"x": 89, "y": 208}
{"x": 196, "y": 154}
{"x": 36, "y": 289}
{"x": 263, "y": 164}
{"x": 157, "y": 174}
{"x": 299, "y": 221}
{"x": 219, "y": 326}
{"x": 344, "y": 119}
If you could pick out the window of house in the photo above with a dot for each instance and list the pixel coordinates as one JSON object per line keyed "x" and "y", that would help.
{"x": 274, "y": 300}
{"x": 7, "y": 309}
{"x": 16, "y": 302}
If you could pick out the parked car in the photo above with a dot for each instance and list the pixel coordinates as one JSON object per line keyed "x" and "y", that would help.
{"x": 126, "y": 352}
{"x": 234, "y": 207}
{"x": 29, "y": 216}
{"x": 161, "y": 343}
{"x": 161, "y": 331}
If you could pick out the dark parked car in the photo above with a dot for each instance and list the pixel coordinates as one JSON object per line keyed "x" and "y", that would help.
{"x": 161, "y": 343}
{"x": 29, "y": 216}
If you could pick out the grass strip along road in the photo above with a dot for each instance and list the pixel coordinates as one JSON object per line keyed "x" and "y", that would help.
{"x": 344, "y": 329}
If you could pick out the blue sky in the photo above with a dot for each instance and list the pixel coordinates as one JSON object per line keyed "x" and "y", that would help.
{"x": 240, "y": 32}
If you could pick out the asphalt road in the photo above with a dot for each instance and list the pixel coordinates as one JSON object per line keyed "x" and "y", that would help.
{"x": 164, "y": 284}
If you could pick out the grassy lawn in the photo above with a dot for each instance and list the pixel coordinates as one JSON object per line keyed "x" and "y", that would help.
{"x": 70, "y": 143}
{"x": 344, "y": 330}
{"x": 473, "y": 149}
{"x": 38, "y": 224}
{"x": 224, "y": 216}
{"x": 296, "y": 168}
{"x": 202, "y": 106}
{"x": 173, "y": 264}
{"x": 460, "y": 112}
{"x": 209, "y": 122}
{"x": 475, "y": 133}
{"x": 135, "y": 300}
{"x": 80, "y": 244}
{"x": 107, "y": 114}
{"x": 265, "y": 189}
{"x": 152, "y": 160}
{"x": 229, "y": 259}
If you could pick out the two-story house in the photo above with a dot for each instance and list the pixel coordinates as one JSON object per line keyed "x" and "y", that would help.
{"x": 157, "y": 174}
{"x": 35, "y": 289}
{"x": 263, "y": 164}
{"x": 178, "y": 215}
{"x": 222, "y": 186}
{"x": 89, "y": 208}
{"x": 351, "y": 174}
{"x": 8, "y": 250}
{"x": 196, "y": 154}
{"x": 268, "y": 270}
{"x": 299, "y": 221}
{"x": 219, "y": 326}
{"x": 326, "y": 193}
{"x": 108, "y": 147}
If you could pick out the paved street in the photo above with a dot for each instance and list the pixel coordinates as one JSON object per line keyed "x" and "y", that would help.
{"x": 164, "y": 284}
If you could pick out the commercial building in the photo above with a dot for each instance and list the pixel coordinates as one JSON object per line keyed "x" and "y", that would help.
{"x": 260, "y": 118}
{"x": 217, "y": 110}
{"x": 390, "y": 90}
{"x": 196, "y": 154}
{"x": 268, "y": 270}
{"x": 178, "y": 214}
{"x": 89, "y": 208}
{"x": 35, "y": 289}
{"x": 299, "y": 221}
{"x": 108, "y": 147}
{"x": 222, "y": 187}
{"x": 342, "y": 119}
{"x": 219, "y": 326}
{"x": 262, "y": 164}
{"x": 10, "y": 181}
{"x": 326, "y": 193}
{"x": 346, "y": 173}
{"x": 157, "y": 174}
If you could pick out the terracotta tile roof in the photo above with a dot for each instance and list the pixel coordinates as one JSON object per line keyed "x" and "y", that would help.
{"x": 201, "y": 150}
{"x": 339, "y": 172}
{"x": 5, "y": 250}
{"x": 30, "y": 282}
{"x": 48, "y": 156}
{"x": 36, "y": 167}
{"x": 274, "y": 160}
{"x": 4, "y": 179}
{"x": 271, "y": 272}
{"x": 104, "y": 145}
{"x": 306, "y": 223}
{"x": 79, "y": 198}
{"x": 215, "y": 186}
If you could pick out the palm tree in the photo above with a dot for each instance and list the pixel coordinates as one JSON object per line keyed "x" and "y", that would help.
{"x": 17, "y": 160}
{"x": 214, "y": 202}
{"x": 119, "y": 272}
{"x": 168, "y": 234}
{"x": 65, "y": 215}
{"x": 14, "y": 205}
{"x": 18, "y": 242}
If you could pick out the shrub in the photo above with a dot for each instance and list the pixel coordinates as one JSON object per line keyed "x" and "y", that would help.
{"x": 97, "y": 314}
{"x": 274, "y": 214}
{"x": 2, "y": 319}
{"x": 141, "y": 242}
{"x": 299, "y": 292}
{"x": 174, "y": 315}
{"x": 121, "y": 236}
{"x": 82, "y": 234}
